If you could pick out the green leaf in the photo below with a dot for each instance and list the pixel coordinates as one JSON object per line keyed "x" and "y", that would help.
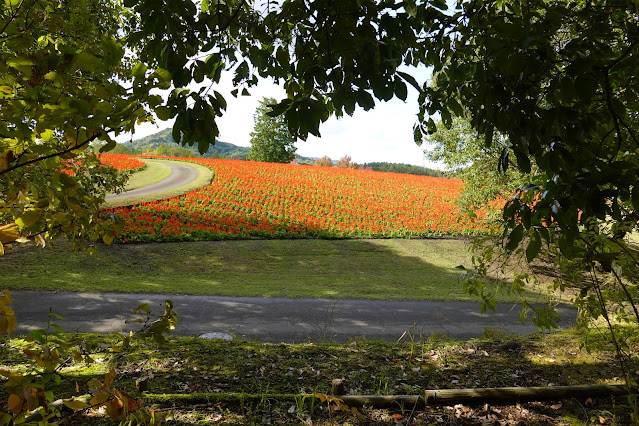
{"x": 526, "y": 216}
{"x": 400, "y": 90}
{"x": 202, "y": 146}
{"x": 139, "y": 70}
{"x": 135, "y": 37}
{"x": 410, "y": 80}
{"x": 439, "y": 4}
{"x": 199, "y": 70}
{"x": 634, "y": 197}
{"x": 534, "y": 246}
{"x": 143, "y": 307}
{"x": 109, "y": 145}
{"x": 22, "y": 64}
{"x": 488, "y": 137}
{"x": 544, "y": 234}
{"x": 456, "y": 107}
{"x": 164, "y": 113}
{"x": 515, "y": 237}
{"x": 87, "y": 61}
{"x": 28, "y": 218}
{"x": 364, "y": 99}
{"x": 162, "y": 75}
{"x": 586, "y": 87}
{"x": 205, "y": 6}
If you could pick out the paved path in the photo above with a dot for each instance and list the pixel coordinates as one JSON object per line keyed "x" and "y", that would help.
{"x": 180, "y": 175}
{"x": 272, "y": 319}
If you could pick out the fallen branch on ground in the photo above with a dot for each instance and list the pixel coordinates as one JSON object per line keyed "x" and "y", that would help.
{"x": 506, "y": 395}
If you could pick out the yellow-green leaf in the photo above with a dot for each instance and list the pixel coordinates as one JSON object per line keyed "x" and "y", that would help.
{"x": 15, "y": 403}
{"x": 5, "y": 159}
{"x": 28, "y": 218}
{"x": 108, "y": 238}
{"x": 46, "y": 135}
{"x": 99, "y": 399}
{"x": 76, "y": 405}
{"x": 19, "y": 61}
{"x": 9, "y": 233}
{"x": 321, "y": 396}
{"x": 109, "y": 377}
{"x": 6, "y": 299}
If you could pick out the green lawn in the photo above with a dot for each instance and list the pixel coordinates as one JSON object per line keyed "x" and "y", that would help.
{"x": 371, "y": 269}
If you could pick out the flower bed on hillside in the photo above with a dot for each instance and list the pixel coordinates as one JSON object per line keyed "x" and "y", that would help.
{"x": 269, "y": 200}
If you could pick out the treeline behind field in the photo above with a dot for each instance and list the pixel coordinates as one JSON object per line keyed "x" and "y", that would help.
{"x": 162, "y": 144}
{"x": 404, "y": 168}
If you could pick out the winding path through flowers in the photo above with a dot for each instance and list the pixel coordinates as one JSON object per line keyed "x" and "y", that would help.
{"x": 181, "y": 175}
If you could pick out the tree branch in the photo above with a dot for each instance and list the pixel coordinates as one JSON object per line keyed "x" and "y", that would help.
{"x": 14, "y": 15}
{"x": 233, "y": 16}
{"x": 611, "y": 110}
{"x": 622, "y": 57}
{"x": 628, "y": 295}
{"x": 55, "y": 154}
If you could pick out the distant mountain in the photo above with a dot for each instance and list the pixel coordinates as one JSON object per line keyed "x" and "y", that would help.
{"x": 164, "y": 138}
{"x": 162, "y": 143}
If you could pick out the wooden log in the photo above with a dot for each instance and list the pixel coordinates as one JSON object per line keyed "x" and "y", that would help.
{"x": 503, "y": 396}
{"x": 383, "y": 400}
{"x": 519, "y": 394}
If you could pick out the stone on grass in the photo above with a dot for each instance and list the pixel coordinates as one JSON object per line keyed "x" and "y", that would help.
{"x": 216, "y": 335}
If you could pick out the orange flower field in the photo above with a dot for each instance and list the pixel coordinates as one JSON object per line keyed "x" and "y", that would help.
{"x": 268, "y": 200}
{"x": 117, "y": 161}
{"x": 121, "y": 162}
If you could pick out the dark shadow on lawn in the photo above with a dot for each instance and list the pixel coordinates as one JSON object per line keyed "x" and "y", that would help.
{"x": 340, "y": 272}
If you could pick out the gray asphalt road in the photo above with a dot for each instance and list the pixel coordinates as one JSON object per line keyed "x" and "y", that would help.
{"x": 180, "y": 175}
{"x": 272, "y": 319}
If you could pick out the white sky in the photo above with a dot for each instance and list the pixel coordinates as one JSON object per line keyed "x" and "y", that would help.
{"x": 384, "y": 133}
